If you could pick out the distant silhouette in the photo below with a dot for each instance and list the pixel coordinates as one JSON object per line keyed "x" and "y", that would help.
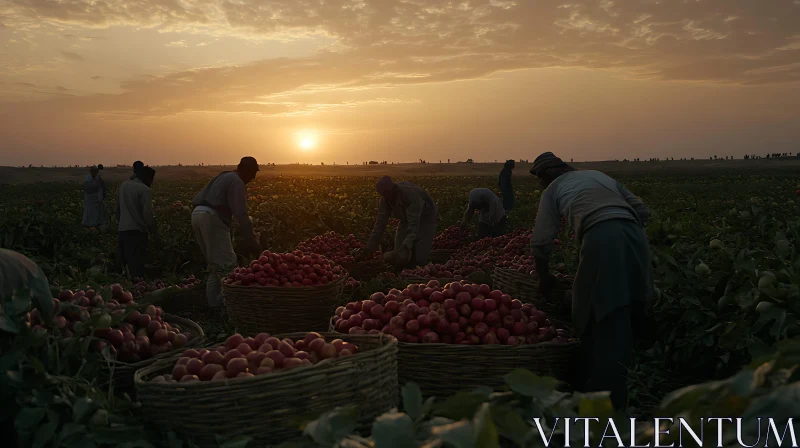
{"x": 504, "y": 183}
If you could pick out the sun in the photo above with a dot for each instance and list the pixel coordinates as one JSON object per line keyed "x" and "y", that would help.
{"x": 307, "y": 141}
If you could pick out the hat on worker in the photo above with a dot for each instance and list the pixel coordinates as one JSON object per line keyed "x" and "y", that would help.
{"x": 546, "y": 161}
{"x": 384, "y": 185}
{"x": 248, "y": 163}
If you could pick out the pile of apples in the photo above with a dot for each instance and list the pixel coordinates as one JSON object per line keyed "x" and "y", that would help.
{"x": 241, "y": 357}
{"x": 452, "y": 238}
{"x": 455, "y": 269}
{"x": 141, "y": 287}
{"x": 135, "y": 337}
{"x": 287, "y": 270}
{"x": 335, "y": 247}
{"x": 458, "y": 313}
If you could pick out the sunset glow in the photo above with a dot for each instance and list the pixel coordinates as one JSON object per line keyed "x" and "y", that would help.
{"x": 172, "y": 82}
{"x": 307, "y": 141}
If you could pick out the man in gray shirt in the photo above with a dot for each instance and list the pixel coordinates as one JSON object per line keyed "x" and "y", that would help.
{"x": 417, "y": 214}
{"x": 614, "y": 285}
{"x": 134, "y": 210}
{"x": 492, "y": 221}
{"x": 222, "y": 199}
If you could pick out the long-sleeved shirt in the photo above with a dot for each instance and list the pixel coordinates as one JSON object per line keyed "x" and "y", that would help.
{"x": 491, "y": 209}
{"x": 504, "y": 182}
{"x": 93, "y": 188}
{"x": 227, "y": 194}
{"x": 409, "y": 206}
{"x": 584, "y": 198}
{"x": 134, "y": 207}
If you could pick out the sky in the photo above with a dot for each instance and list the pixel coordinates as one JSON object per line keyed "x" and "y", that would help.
{"x": 209, "y": 81}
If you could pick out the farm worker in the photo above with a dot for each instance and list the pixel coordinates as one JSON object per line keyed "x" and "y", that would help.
{"x": 221, "y": 199}
{"x": 505, "y": 185}
{"x": 134, "y": 210}
{"x": 93, "y": 195}
{"x": 417, "y": 214}
{"x": 137, "y": 165}
{"x": 492, "y": 221}
{"x": 613, "y": 287}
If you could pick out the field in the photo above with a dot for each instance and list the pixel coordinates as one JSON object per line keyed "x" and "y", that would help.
{"x": 724, "y": 235}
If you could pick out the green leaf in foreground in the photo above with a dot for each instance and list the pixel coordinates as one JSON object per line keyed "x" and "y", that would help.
{"x": 485, "y": 430}
{"x": 457, "y": 435}
{"x": 412, "y": 400}
{"x": 393, "y": 430}
{"x": 527, "y": 383}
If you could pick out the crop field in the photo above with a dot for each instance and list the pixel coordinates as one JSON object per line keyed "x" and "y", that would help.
{"x": 725, "y": 249}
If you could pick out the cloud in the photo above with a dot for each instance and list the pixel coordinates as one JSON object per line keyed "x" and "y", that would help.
{"x": 72, "y": 56}
{"x": 401, "y": 42}
{"x": 95, "y": 78}
{"x": 62, "y": 89}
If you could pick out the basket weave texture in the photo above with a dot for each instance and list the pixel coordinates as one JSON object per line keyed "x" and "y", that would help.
{"x": 187, "y": 301}
{"x": 442, "y": 370}
{"x": 525, "y": 288}
{"x": 122, "y": 373}
{"x": 257, "y": 309}
{"x": 271, "y": 408}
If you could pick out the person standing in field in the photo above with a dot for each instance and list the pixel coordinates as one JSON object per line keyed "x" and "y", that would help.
{"x": 492, "y": 221}
{"x": 613, "y": 287}
{"x": 221, "y": 199}
{"x": 417, "y": 214}
{"x": 94, "y": 215}
{"x": 505, "y": 185}
{"x": 134, "y": 210}
{"x": 137, "y": 165}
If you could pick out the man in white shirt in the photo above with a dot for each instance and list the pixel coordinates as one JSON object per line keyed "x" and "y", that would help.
{"x": 134, "y": 209}
{"x": 613, "y": 287}
{"x": 222, "y": 199}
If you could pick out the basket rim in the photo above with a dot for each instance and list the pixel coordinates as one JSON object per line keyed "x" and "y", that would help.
{"x": 198, "y": 339}
{"x": 386, "y": 341}
{"x": 332, "y": 329}
{"x": 342, "y": 279}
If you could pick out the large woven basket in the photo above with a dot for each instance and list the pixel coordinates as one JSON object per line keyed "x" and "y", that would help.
{"x": 442, "y": 370}
{"x": 526, "y": 288}
{"x": 186, "y": 301}
{"x": 272, "y": 408}
{"x": 257, "y": 309}
{"x": 122, "y": 373}
{"x": 367, "y": 269}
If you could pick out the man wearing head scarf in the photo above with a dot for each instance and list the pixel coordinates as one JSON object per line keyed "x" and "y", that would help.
{"x": 137, "y": 165}
{"x": 222, "y": 199}
{"x": 93, "y": 196}
{"x": 492, "y": 220}
{"x": 505, "y": 185}
{"x": 134, "y": 209}
{"x": 417, "y": 214}
{"x": 613, "y": 287}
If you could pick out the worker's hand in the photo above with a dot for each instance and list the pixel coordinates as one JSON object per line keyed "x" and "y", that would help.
{"x": 547, "y": 283}
{"x": 362, "y": 254}
{"x": 252, "y": 248}
{"x": 403, "y": 256}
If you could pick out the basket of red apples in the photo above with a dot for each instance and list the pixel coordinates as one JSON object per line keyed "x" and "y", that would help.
{"x": 270, "y": 384}
{"x": 187, "y": 296}
{"x": 284, "y": 292}
{"x": 518, "y": 278}
{"x": 339, "y": 249}
{"x": 130, "y": 335}
{"x": 461, "y": 335}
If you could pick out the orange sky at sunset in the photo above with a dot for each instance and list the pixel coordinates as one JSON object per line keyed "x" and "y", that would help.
{"x": 190, "y": 81}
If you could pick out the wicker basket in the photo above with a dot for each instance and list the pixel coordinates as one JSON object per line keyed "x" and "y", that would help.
{"x": 366, "y": 270}
{"x": 272, "y": 408}
{"x": 186, "y": 301}
{"x": 256, "y": 309}
{"x": 424, "y": 280}
{"x": 122, "y": 373}
{"x": 526, "y": 288}
{"x": 442, "y": 370}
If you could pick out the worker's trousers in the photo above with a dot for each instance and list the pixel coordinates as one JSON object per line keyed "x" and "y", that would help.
{"x": 214, "y": 238}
